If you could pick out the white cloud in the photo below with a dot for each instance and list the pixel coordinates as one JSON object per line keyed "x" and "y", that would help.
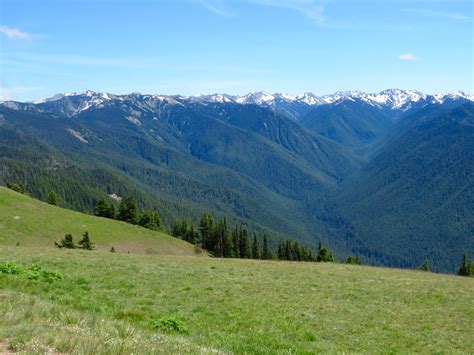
{"x": 12, "y": 32}
{"x": 407, "y": 57}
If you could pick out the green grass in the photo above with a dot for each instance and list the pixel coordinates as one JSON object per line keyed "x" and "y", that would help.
{"x": 123, "y": 303}
{"x": 231, "y": 305}
{"x": 34, "y": 223}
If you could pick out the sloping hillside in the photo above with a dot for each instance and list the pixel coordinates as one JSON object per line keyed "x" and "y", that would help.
{"x": 415, "y": 200}
{"x": 31, "y": 222}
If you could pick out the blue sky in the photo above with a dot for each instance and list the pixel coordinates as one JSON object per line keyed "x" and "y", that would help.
{"x": 233, "y": 46}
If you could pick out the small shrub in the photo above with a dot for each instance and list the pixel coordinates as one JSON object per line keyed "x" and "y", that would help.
{"x": 170, "y": 325}
{"x": 10, "y": 267}
{"x": 36, "y": 272}
{"x": 353, "y": 260}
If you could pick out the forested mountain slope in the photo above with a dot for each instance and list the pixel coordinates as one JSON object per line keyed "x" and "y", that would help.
{"x": 364, "y": 173}
{"x": 415, "y": 199}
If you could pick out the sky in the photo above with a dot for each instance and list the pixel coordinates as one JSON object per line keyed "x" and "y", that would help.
{"x": 193, "y": 47}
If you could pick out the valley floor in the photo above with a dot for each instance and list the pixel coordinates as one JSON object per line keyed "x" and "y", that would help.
{"x": 111, "y": 303}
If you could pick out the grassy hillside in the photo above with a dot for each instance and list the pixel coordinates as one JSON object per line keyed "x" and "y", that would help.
{"x": 111, "y": 302}
{"x": 54, "y": 300}
{"x": 31, "y": 222}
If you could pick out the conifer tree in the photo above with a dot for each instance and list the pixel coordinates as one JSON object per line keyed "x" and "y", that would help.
{"x": 236, "y": 243}
{"x": 225, "y": 239}
{"x": 245, "y": 251}
{"x": 466, "y": 266}
{"x": 324, "y": 254}
{"x": 184, "y": 228}
{"x": 288, "y": 251}
{"x": 128, "y": 210}
{"x": 67, "y": 242}
{"x": 150, "y": 220}
{"x": 176, "y": 229}
{"x": 266, "y": 251}
{"x": 425, "y": 266}
{"x": 103, "y": 209}
{"x": 255, "y": 248}
{"x": 206, "y": 232}
{"x": 85, "y": 242}
{"x": 191, "y": 235}
{"x": 297, "y": 252}
{"x": 281, "y": 252}
{"x": 53, "y": 198}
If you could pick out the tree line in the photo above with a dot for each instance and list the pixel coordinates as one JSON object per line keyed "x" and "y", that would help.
{"x": 216, "y": 236}
{"x": 224, "y": 241}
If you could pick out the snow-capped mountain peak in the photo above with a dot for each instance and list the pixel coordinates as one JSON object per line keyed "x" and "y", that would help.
{"x": 292, "y": 105}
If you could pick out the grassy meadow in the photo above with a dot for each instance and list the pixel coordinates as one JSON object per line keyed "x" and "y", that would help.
{"x": 230, "y": 305}
{"x": 37, "y": 224}
{"x": 102, "y": 302}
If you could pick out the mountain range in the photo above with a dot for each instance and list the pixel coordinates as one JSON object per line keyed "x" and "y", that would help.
{"x": 388, "y": 176}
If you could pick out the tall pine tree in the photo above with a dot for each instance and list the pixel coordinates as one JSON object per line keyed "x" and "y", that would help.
{"x": 255, "y": 247}
{"x": 266, "y": 251}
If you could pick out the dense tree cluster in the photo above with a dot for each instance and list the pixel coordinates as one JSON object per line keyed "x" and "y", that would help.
{"x": 129, "y": 212}
{"x": 220, "y": 240}
{"x": 104, "y": 209}
{"x": 294, "y": 251}
{"x": 17, "y": 187}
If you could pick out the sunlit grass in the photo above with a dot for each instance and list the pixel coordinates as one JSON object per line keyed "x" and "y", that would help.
{"x": 231, "y": 305}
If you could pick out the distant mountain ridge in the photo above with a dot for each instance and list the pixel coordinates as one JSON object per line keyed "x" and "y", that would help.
{"x": 294, "y": 106}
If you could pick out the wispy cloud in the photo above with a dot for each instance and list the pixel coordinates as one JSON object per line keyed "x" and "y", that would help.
{"x": 439, "y": 14}
{"x": 309, "y": 8}
{"x": 220, "y": 85}
{"x": 216, "y": 6}
{"x": 312, "y": 9}
{"x": 407, "y": 57}
{"x": 66, "y": 59}
{"x": 14, "y": 33}
{"x": 11, "y": 93}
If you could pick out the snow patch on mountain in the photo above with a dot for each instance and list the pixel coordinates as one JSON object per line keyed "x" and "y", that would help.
{"x": 77, "y": 135}
{"x": 391, "y": 99}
